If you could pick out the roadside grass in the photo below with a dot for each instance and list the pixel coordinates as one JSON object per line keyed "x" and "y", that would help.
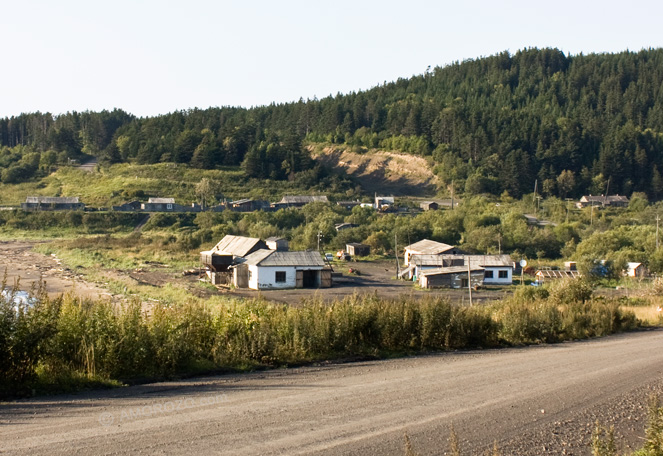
{"x": 70, "y": 338}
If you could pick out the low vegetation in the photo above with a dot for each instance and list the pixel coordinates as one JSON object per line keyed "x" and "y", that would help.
{"x": 64, "y": 341}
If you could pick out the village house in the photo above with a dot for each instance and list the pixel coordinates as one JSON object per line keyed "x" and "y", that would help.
{"x": 299, "y": 201}
{"x": 167, "y": 205}
{"x": 383, "y": 203}
{"x": 131, "y": 206}
{"x": 348, "y": 204}
{"x": 603, "y": 201}
{"x": 227, "y": 253}
{"x": 452, "y": 277}
{"x": 429, "y": 206}
{"x": 428, "y": 247}
{"x": 636, "y": 270}
{"x": 249, "y": 205}
{"x": 498, "y": 269}
{"x": 270, "y": 269}
{"x": 52, "y": 203}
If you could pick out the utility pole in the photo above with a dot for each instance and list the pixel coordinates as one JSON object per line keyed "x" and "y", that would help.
{"x": 398, "y": 267}
{"x": 469, "y": 280}
{"x": 320, "y": 236}
{"x": 534, "y": 200}
{"x": 591, "y": 215}
{"x": 657, "y": 219}
{"x": 452, "y": 194}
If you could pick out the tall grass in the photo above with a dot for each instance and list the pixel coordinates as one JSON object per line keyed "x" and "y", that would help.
{"x": 70, "y": 337}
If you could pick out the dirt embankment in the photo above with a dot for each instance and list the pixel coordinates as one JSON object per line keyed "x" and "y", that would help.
{"x": 384, "y": 172}
{"x": 23, "y": 267}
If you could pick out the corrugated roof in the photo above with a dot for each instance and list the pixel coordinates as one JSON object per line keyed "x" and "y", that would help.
{"x": 450, "y": 270}
{"x": 275, "y": 258}
{"x": 161, "y": 201}
{"x": 303, "y": 199}
{"x": 428, "y": 247}
{"x": 556, "y": 274}
{"x": 52, "y": 199}
{"x": 475, "y": 260}
{"x": 236, "y": 245}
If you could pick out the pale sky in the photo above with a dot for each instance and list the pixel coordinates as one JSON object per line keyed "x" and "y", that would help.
{"x": 152, "y": 57}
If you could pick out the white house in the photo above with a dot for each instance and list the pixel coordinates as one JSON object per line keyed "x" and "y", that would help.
{"x": 428, "y": 247}
{"x": 270, "y": 269}
{"x": 497, "y": 269}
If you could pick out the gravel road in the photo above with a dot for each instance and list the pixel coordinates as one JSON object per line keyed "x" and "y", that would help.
{"x": 535, "y": 400}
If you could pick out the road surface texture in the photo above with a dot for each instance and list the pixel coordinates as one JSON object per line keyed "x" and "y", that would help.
{"x": 535, "y": 400}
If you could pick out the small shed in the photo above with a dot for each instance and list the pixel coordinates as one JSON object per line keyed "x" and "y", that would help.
{"x": 428, "y": 247}
{"x": 452, "y": 277}
{"x": 356, "y": 249}
{"x": 226, "y": 254}
{"x": 429, "y": 206}
{"x": 277, "y": 243}
{"x": 636, "y": 270}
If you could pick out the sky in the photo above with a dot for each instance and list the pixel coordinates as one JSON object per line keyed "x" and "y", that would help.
{"x": 151, "y": 57}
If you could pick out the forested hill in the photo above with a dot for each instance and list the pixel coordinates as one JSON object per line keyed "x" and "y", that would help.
{"x": 576, "y": 123}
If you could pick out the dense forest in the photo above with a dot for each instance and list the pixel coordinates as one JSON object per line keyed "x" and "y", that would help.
{"x": 576, "y": 124}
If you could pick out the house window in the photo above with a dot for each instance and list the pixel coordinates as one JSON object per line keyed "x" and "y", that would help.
{"x": 169, "y": 207}
{"x": 504, "y": 274}
{"x": 250, "y": 274}
{"x": 488, "y": 275}
{"x": 280, "y": 276}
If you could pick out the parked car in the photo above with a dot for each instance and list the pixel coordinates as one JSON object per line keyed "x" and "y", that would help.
{"x": 329, "y": 256}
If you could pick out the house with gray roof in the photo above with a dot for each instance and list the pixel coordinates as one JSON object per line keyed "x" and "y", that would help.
{"x": 52, "y": 203}
{"x": 270, "y": 269}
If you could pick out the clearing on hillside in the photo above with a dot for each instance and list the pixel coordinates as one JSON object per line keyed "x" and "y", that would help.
{"x": 384, "y": 172}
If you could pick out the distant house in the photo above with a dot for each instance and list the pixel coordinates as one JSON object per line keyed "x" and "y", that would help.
{"x": 428, "y": 247}
{"x": 345, "y": 226}
{"x": 52, "y": 203}
{"x": 356, "y": 249}
{"x": 277, "y": 243}
{"x": 167, "y": 205}
{"x": 636, "y": 270}
{"x": 429, "y": 205}
{"x": 300, "y": 201}
{"x": 348, "y": 204}
{"x": 382, "y": 203}
{"x": 452, "y": 277}
{"x": 131, "y": 206}
{"x": 603, "y": 201}
{"x": 270, "y": 269}
{"x": 248, "y": 205}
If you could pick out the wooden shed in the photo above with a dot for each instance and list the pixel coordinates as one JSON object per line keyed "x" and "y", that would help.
{"x": 452, "y": 277}
{"x": 356, "y": 249}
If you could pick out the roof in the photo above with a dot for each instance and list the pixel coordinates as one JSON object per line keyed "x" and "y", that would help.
{"x": 303, "y": 199}
{"x": 161, "y": 201}
{"x": 484, "y": 261}
{"x": 274, "y": 258}
{"x": 450, "y": 270}
{"x": 52, "y": 199}
{"x": 242, "y": 201}
{"x": 604, "y": 199}
{"x": 633, "y": 265}
{"x": 557, "y": 274}
{"x": 275, "y": 239}
{"x": 427, "y": 246}
{"x": 236, "y": 245}
{"x": 385, "y": 199}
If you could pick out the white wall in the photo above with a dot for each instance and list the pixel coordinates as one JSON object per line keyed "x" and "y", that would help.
{"x": 264, "y": 277}
{"x": 496, "y": 276}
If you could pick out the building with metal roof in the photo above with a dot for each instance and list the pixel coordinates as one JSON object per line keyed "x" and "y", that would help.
{"x": 52, "y": 203}
{"x": 428, "y": 247}
{"x": 270, "y": 269}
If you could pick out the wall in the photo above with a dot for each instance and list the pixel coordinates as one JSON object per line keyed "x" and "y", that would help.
{"x": 496, "y": 280}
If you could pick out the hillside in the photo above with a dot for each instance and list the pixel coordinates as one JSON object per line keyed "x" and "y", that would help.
{"x": 381, "y": 171}
{"x": 574, "y": 124}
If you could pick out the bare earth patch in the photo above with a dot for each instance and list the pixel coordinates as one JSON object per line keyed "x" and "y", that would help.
{"x": 384, "y": 172}
{"x": 26, "y": 268}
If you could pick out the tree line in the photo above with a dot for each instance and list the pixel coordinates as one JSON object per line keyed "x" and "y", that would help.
{"x": 574, "y": 124}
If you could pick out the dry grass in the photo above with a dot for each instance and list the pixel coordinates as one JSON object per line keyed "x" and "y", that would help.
{"x": 649, "y": 315}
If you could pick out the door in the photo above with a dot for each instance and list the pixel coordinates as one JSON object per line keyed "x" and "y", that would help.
{"x": 300, "y": 279}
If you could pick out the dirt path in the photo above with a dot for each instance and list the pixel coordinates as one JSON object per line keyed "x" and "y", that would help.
{"x": 18, "y": 260}
{"x": 532, "y": 401}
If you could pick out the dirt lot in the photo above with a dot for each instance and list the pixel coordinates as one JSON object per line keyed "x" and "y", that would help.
{"x": 26, "y": 268}
{"x": 376, "y": 277}
{"x": 19, "y": 260}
